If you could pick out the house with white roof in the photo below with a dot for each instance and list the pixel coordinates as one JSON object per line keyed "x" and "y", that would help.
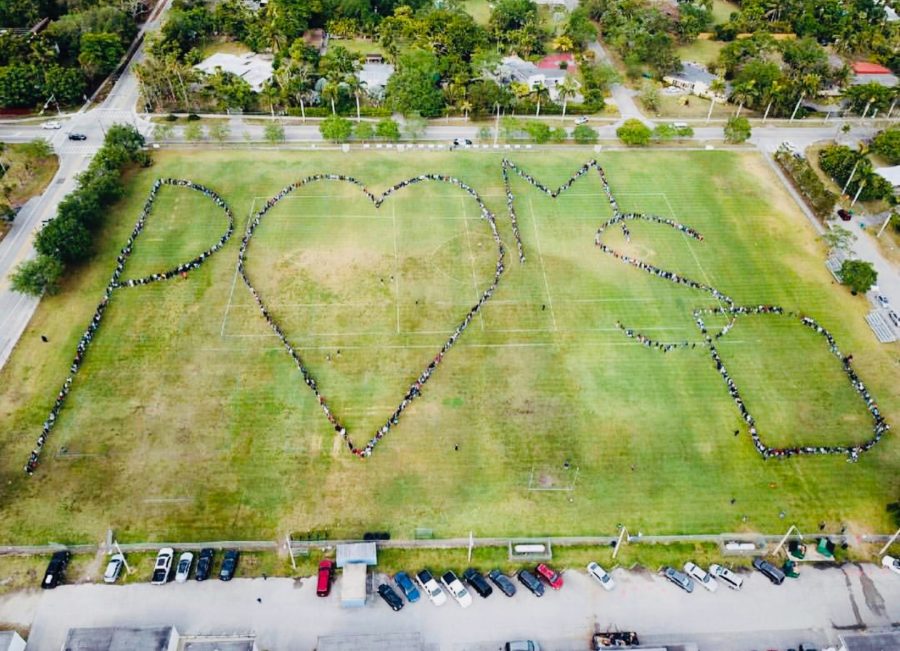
{"x": 255, "y": 69}
{"x": 516, "y": 69}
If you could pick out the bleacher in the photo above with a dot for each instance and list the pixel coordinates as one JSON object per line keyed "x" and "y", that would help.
{"x": 881, "y": 327}
{"x": 834, "y": 262}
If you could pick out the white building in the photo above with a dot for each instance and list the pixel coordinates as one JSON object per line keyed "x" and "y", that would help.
{"x": 255, "y": 69}
{"x": 695, "y": 79}
{"x": 375, "y": 77}
{"x": 11, "y": 641}
{"x": 515, "y": 69}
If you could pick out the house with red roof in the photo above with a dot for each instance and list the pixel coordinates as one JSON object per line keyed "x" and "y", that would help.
{"x": 866, "y": 72}
{"x": 564, "y": 61}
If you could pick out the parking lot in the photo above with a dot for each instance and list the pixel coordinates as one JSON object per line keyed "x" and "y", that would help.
{"x": 286, "y": 614}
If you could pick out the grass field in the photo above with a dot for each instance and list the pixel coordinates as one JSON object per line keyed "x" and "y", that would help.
{"x": 188, "y": 419}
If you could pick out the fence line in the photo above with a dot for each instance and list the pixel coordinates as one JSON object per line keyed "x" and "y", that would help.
{"x": 438, "y": 543}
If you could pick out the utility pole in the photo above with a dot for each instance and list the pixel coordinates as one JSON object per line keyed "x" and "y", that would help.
{"x": 622, "y": 536}
{"x": 290, "y": 549}
{"x": 792, "y": 528}
{"x": 497, "y": 125}
{"x": 880, "y": 231}
{"x": 712, "y": 103}
{"x": 862, "y": 184}
{"x": 850, "y": 178}
{"x": 122, "y": 554}
{"x": 471, "y": 545}
{"x": 889, "y": 542}
{"x": 796, "y": 108}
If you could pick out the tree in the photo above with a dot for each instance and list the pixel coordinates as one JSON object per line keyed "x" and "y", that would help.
{"x": 650, "y": 96}
{"x": 887, "y": 144}
{"x": 219, "y": 131}
{"x": 540, "y": 92}
{"x": 34, "y": 277}
{"x": 858, "y": 275}
{"x": 273, "y": 132}
{"x": 65, "y": 239}
{"x": 336, "y": 129}
{"x": 634, "y": 133}
{"x": 388, "y": 130}
{"x": 100, "y": 54}
{"x": 865, "y": 98}
{"x": 839, "y": 239}
{"x": 584, "y": 135}
{"x": 566, "y": 90}
{"x": 538, "y": 131}
{"x": 67, "y": 85}
{"x": 737, "y": 130}
{"x": 414, "y": 88}
{"x": 193, "y": 132}
{"x": 364, "y": 131}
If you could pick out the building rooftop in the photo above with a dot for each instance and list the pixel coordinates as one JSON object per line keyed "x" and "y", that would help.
{"x": 874, "y": 642}
{"x": 119, "y": 639}
{"x": 555, "y": 61}
{"x": 869, "y": 68}
{"x": 375, "y": 75}
{"x": 694, "y": 72}
{"x": 255, "y": 69}
{"x": 219, "y": 644}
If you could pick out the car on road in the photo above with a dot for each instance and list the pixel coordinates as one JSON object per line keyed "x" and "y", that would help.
{"x": 680, "y": 579}
{"x": 326, "y": 574}
{"x": 895, "y": 319}
{"x": 726, "y": 576}
{"x": 882, "y": 300}
{"x": 531, "y": 582}
{"x": 430, "y": 586}
{"x": 701, "y": 575}
{"x": 163, "y": 566}
{"x": 77, "y": 136}
{"x": 601, "y": 575}
{"x": 390, "y": 596}
{"x": 768, "y": 570}
{"x": 56, "y": 570}
{"x": 502, "y": 582}
{"x": 551, "y": 576}
{"x": 114, "y": 568}
{"x": 407, "y": 587}
{"x": 52, "y": 124}
{"x": 892, "y": 563}
{"x": 581, "y": 120}
{"x": 522, "y": 645}
{"x": 462, "y": 142}
{"x": 183, "y": 570}
{"x": 479, "y": 584}
{"x": 456, "y": 589}
{"x": 204, "y": 564}
{"x": 229, "y": 565}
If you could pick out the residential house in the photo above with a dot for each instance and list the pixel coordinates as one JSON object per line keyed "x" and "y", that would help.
{"x": 515, "y": 69}
{"x": 255, "y": 69}
{"x": 865, "y": 72}
{"x": 375, "y": 77}
{"x": 697, "y": 80}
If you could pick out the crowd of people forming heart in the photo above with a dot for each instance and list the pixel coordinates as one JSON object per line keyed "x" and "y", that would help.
{"x": 415, "y": 389}
{"x": 116, "y": 282}
{"x": 726, "y": 305}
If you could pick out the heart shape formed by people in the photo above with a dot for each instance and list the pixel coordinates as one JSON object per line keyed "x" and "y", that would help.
{"x": 415, "y": 389}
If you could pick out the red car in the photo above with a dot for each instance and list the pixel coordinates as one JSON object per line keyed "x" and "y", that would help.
{"x": 326, "y": 574}
{"x": 549, "y": 575}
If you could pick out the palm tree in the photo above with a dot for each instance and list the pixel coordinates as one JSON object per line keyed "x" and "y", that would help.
{"x": 294, "y": 82}
{"x": 465, "y": 106}
{"x": 331, "y": 91}
{"x": 540, "y": 93}
{"x": 563, "y": 43}
{"x": 269, "y": 94}
{"x": 355, "y": 85}
{"x": 743, "y": 93}
{"x": 772, "y": 94}
{"x": 566, "y": 89}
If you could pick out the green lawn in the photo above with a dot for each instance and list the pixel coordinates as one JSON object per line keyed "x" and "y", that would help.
{"x": 722, "y": 10}
{"x": 480, "y": 10}
{"x": 701, "y": 51}
{"x": 189, "y": 421}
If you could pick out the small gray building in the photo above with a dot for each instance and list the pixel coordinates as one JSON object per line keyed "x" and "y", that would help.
{"x": 158, "y": 638}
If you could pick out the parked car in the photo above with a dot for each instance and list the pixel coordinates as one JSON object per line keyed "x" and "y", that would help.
{"x": 204, "y": 564}
{"x": 601, "y": 575}
{"x": 893, "y": 564}
{"x": 77, "y": 136}
{"x": 768, "y": 570}
{"x": 845, "y": 215}
{"x": 163, "y": 566}
{"x": 114, "y": 568}
{"x": 522, "y": 645}
{"x": 882, "y": 300}
{"x": 390, "y": 596}
{"x": 502, "y": 582}
{"x": 552, "y": 577}
{"x": 474, "y": 578}
{"x": 52, "y": 124}
{"x": 183, "y": 570}
{"x": 531, "y": 582}
{"x": 726, "y": 576}
{"x": 326, "y": 574}
{"x": 56, "y": 570}
{"x": 229, "y": 565}
{"x": 680, "y": 579}
{"x": 430, "y": 586}
{"x": 697, "y": 572}
{"x": 407, "y": 586}
{"x": 581, "y": 120}
{"x": 456, "y": 589}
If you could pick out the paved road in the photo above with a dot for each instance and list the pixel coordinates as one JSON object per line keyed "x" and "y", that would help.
{"x": 291, "y": 617}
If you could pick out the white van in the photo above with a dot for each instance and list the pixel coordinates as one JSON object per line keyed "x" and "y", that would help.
{"x": 726, "y": 576}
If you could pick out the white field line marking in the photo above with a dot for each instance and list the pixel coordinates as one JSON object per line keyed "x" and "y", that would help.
{"x": 234, "y": 280}
{"x": 543, "y": 270}
{"x": 369, "y": 333}
{"x": 687, "y": 241}
{"x": 472, "y": 261}
{"x": 396, "y": 265}
{"x": 624, "y": 299}
{"x": 511, "y": 344}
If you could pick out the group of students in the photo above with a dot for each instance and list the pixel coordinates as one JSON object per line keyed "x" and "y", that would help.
{"x": 115, "y": 283}
{"x": 727, "y": 308}
{"x": 415, "y": 388}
